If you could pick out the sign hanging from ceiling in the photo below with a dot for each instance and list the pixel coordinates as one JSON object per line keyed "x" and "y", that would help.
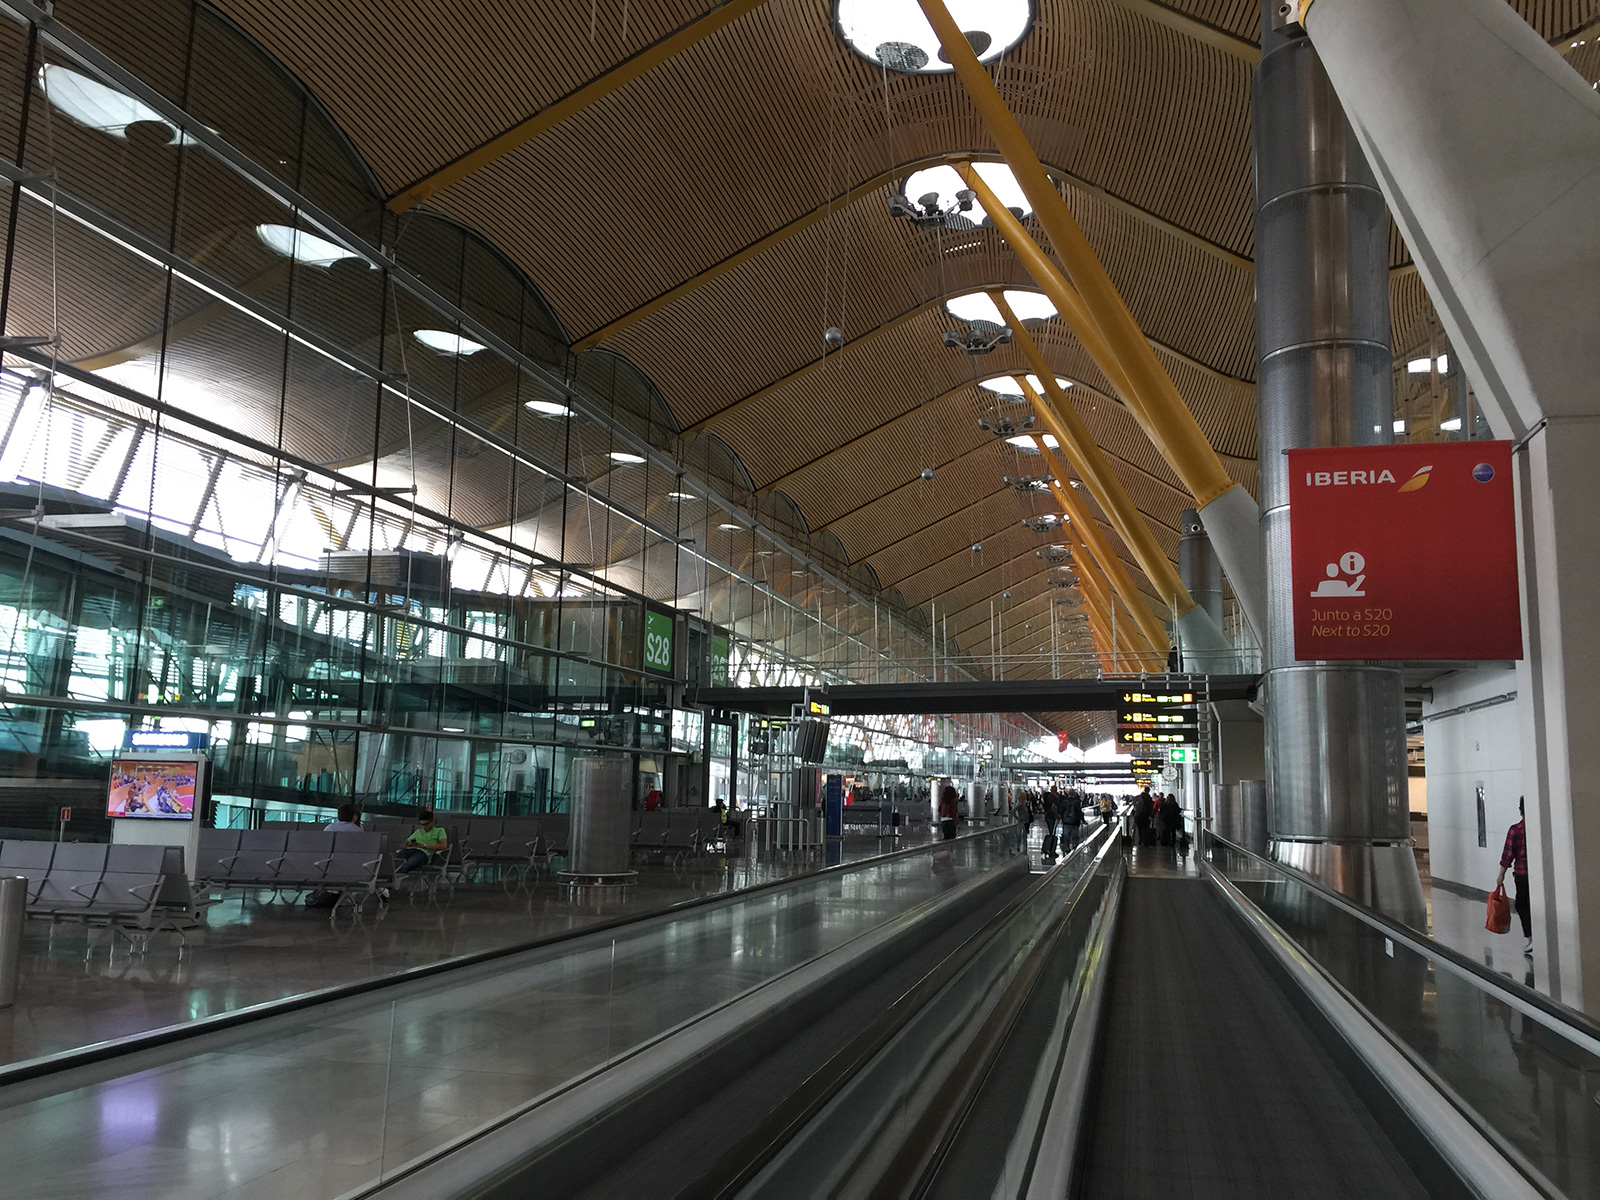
{"x": 1149, "y": 719}
{"x": 1405, "y": 552}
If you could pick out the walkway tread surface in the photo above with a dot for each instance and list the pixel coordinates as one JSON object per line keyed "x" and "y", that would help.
{"x": 1209, "y": 1084}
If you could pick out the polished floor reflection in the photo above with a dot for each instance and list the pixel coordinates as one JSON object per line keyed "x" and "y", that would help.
{"x": 82, "y": 987}
{"x": 312, "y": 1105}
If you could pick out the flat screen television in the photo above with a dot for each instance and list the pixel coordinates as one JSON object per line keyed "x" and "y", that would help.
{"x": 153, "y": 789}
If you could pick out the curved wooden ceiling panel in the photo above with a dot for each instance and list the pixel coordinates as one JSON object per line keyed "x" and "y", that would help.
{"x": 1142, "y": 107}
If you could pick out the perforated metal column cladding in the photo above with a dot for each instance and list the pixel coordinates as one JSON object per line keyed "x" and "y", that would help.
{"x": 601, "y": 786}
{"x": 1335, "y": 738}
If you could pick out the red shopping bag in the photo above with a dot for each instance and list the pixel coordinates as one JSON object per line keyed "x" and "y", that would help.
{"x": 1499, "y": 920}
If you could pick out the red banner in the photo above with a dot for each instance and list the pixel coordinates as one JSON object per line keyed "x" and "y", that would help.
{"x": 1405, "y": 553}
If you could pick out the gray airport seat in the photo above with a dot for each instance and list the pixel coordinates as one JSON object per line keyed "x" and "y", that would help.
{"x": 259, "y": 852}
{"x": 74, "y": 878}
{"x": 30, "y": 859}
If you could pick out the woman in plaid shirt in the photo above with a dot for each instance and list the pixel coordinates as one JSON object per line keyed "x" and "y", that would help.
{"x": 1515, "y": 856}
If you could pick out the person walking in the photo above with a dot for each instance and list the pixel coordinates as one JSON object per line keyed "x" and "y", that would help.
{"x": 949, "y": 811}
{"x": 1169, "y": 819}
{"x": 1108, "y": 808}
{"x": 1143, "y": 814}
{"x": 1515, "y": 856}
{"x": 1072, "y": 821}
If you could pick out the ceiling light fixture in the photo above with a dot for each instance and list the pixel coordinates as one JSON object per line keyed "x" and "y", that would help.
{"x": 895, "y": 34}
{"x": 1008, "y": 388}
{"x": 682, "y": 496}
{"x": 548, "y": 408}
{"x": 1422, "y": 366}
{"x": 305, "y": 248}
{"x": 623, "y": 458}
{"x": 978, "y": 307}
{"x": 95, "y": 105}
{"x": 450, "y": 344}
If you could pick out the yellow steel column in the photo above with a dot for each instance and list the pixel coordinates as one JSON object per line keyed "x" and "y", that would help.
{"x": 1104, "y": 484}
{"x": 1167, "y": 419}
{"x": 1148, "y": 623}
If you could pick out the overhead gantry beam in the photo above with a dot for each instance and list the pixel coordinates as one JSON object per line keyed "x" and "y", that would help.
{"x": 574, "y": 102}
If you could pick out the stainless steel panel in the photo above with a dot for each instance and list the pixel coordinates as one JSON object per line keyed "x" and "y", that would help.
{"x": 1300, "y": 128}
{"x": 13, "y": 908}
{"x": 1198, "y": 566}
{"x": 1383, "y": 877}
{"x": 1336, "y": 764}
{"x": 1253, "y": 815}
{"x": 601, "y": 785}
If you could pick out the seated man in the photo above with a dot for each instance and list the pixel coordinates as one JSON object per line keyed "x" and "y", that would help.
{"x": 345, "y": 822}
{"x": 425, "y": 843}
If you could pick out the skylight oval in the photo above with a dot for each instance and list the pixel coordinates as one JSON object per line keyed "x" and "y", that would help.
{"x": 945, "y": 182}
{"x": 1024, "y": 442}
{"x": 976, "y": 306}
{"x": 303, "y": 247}
{"x": 894, "y": 34}
{"x": 92, "y": 104}
{"x": 549, "y": 408}
{"x": 451, "y": 344}
{"x": 1007, "y": 388}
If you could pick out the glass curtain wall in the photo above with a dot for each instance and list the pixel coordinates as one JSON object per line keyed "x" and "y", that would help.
{"x": 328, "y": 484}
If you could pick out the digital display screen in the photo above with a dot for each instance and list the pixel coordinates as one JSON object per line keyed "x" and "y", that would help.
{"x": 152, "y": 789}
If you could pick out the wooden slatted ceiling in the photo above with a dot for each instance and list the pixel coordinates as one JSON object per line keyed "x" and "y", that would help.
{"x": 1136, "y": 135}
{"x": 417, "y": 85}
{"x": 671, "y": 175}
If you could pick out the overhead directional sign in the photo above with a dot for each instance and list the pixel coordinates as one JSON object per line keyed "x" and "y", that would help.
{"x": 1158, "y": 719}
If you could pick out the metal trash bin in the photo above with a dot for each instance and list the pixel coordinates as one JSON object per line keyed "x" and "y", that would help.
{"x": 13, "y": 909}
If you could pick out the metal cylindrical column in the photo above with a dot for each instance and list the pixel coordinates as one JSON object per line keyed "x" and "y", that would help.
{"x": 13, "y": 908}
{"x": 1201, "y": 573}
{"x": 1335, "y": 733}
{"x": 599, "y": 824}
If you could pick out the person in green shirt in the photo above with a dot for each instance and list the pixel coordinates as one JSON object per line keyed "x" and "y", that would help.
{"x": 426, "y": 842}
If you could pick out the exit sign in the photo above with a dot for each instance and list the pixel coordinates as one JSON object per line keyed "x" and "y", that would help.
{"x": 1183, "y": 754}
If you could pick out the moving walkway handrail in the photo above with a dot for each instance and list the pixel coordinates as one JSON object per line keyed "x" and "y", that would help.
{"x": 912, "y": 1170}
{"x": 746, "y": 1158}
{"x": 1556, "y": 1017}
{"x": 1485, "y": 1161}
{"x": 168, "y": 1035}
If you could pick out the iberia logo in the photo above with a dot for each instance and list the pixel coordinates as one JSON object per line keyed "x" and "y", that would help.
{"x": 1417, "y": 481}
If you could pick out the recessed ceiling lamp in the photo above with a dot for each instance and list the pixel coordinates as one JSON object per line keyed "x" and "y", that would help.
{"x": 943, "y": 182}
{"x": 895, "y": 34}
{"x": 1007, "y": 388}
{"x": 626, "y": 459}
{"x": 450, "y": 344}
{"x": 303, "y": 247}
{"x": 976, "y": 306}
{"x": 94, "y": 105}
{"x": 549, "y": 408}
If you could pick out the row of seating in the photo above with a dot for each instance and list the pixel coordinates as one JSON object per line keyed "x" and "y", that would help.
{"x": 353, "y": 864}
{"x": 141, "y": 887}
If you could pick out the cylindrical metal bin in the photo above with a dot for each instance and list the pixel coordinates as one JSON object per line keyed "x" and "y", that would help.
{"x": 599, "y": 823}
{"x": 1230, "y": 821}
{"x": 13, "y": 908}
{"x": 1250, "y": 802}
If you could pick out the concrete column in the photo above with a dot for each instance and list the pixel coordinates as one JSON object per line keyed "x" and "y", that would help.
{"x": 1335, "y": 733}
{"x": 1487, "y": 147}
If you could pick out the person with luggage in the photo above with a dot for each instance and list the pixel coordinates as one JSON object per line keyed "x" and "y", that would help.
{"x": 1515, "y": 856}
{"x": 1072, "y": 821}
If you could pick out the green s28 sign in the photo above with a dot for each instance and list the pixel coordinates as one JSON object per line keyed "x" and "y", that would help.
{"x": 658, "y": 628}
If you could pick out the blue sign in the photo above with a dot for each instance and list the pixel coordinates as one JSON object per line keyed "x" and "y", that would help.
{"x": 164, "y": 739}
{"x": 833, "y": 806}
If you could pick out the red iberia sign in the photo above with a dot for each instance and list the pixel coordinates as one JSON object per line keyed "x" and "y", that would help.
{"x": 1405, "y": 552}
